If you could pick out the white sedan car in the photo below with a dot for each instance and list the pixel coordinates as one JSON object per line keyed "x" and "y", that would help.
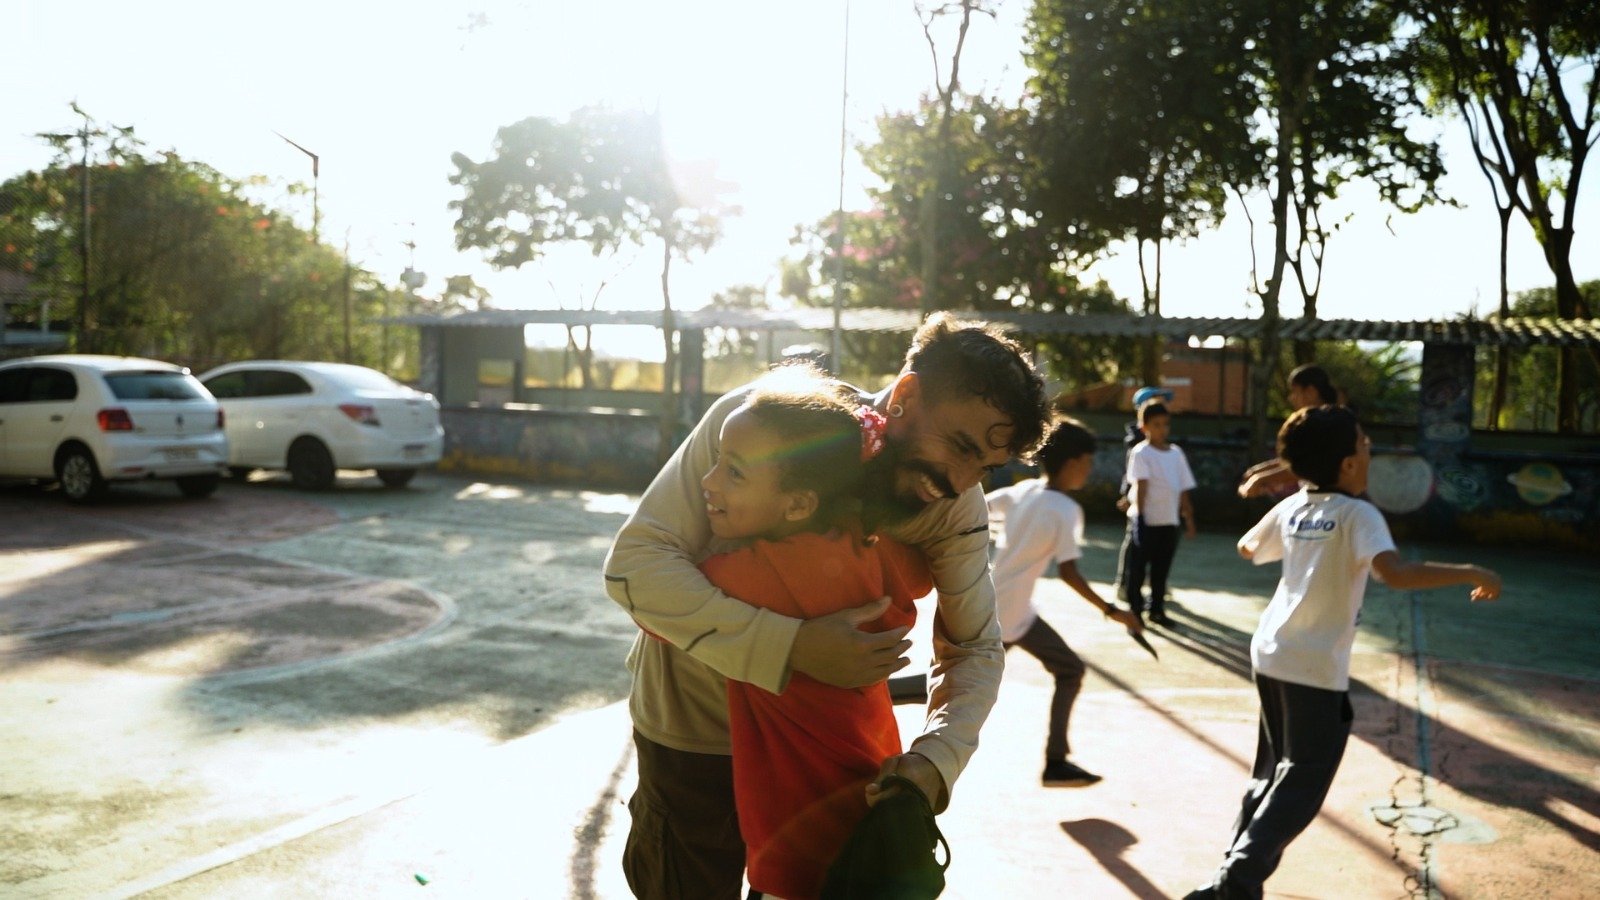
{"x": 314, "y": 418}
{"x": 87, "y": 420}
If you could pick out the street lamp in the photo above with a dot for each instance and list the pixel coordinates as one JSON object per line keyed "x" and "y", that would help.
{"x": 315, "y": 212}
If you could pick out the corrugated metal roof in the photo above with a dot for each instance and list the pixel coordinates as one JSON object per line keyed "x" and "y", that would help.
{"x": 1482, "y": 332}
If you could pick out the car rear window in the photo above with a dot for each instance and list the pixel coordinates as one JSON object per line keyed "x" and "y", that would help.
{"x": 154, "y": 386}
{"x": 364, "y": 379}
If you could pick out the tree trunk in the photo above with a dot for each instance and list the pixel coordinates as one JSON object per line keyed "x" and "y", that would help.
{"x": 1267, "y": 363}
{"x": 1502, "y": 359}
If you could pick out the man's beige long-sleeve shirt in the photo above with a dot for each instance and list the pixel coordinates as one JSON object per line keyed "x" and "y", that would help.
{"x": 679, "y": 698}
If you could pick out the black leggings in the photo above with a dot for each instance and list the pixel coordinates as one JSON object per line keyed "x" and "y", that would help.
{"x": 1302, "y": 736}
{"x": 1149, "y": 547}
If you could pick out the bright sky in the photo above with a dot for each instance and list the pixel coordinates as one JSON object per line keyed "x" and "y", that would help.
{"x": 384, "y": 93}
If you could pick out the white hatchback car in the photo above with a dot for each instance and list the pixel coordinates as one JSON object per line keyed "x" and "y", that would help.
{"x": 87, "y": 420}
{"x": 314, "y": 418}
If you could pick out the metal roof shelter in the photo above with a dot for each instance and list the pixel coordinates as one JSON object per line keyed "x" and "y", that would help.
{"x": 1522, "y": 332}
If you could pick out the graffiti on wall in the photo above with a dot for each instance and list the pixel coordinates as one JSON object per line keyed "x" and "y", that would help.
{"x": 1539, "y": 483}
{"x": 1399, "y": 483}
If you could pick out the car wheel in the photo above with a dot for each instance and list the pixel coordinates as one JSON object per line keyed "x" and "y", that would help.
{"x": 79, "y": 476}
{"x": 310, "y": 465}
{"x": 198, "y": 485}
{"x": 240, "y": 473}
{"x": 396, "y": 478}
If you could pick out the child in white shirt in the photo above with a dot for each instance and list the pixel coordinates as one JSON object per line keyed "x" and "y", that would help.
{"x": 1161, "y": 481}
{"x": 1043, "y": 523}
{"x": 1329, "y": 539}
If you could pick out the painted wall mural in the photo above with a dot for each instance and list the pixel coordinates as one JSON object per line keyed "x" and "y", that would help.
{"x": 1539, "y": 483}
{"x": 1500, "y": 498}
{"x": 1399, "y": 483}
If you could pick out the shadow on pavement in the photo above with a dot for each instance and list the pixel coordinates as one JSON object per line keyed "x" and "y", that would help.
{"x": 1106, "y": 842}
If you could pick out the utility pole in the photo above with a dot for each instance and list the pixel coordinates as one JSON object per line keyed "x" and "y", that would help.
{"x": 412, "y": 279}
{"x": 316, "y": 213}
{"x": 84, "y": 345}
{"x": 836, "y": 360}
{"x": 347, "y": 295}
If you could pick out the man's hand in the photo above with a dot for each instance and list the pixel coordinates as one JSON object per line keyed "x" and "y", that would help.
{"x": 834, "y": 650}
{"x": 913, "y": 767}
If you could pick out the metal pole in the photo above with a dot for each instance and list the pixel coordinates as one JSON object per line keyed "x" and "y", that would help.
{"x": 83, "y": 344}
{"x": 837, "y": 353}
{"x": 316, "y": 212}
{"x": 347, "y": 295}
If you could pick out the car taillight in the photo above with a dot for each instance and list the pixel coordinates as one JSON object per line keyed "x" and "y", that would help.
{"x": 359, "y": 414}
{"x": 114, "y": 419}
{"x": 219, "y": 418}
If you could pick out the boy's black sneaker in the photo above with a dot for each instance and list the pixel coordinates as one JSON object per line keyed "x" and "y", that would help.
{"x": 1160, "y": 618}
{"x": 1060, "y": 773}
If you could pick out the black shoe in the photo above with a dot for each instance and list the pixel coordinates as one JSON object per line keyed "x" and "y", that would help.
{"x": 1060, "y": 773}
{"x": 1160, "y": 618}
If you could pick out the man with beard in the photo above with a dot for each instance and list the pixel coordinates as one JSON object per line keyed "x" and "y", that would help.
{"x": 965, "y": 402}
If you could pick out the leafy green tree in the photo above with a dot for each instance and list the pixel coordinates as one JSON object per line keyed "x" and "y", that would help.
{"x": 1140, "y": 126}
{"x": 602, "y": 178}
{"x": 1325, "y": 95}
{"x": 937, "y": 169}
{"x": 1523, "y": 78}
{"x": 1532, "y": 400}
{"x": 181, "y": 264}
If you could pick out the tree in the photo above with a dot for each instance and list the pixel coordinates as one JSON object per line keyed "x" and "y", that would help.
{"x": 1140, "y": 126}
{"x": 1532, "y": 400}
{"x": 934, "y": 183}
{"x": 1523, "y": 78}
{"x": 1323, "y": 91}
{"x": 181, "y": 263}
{"x": 601, "y": 178}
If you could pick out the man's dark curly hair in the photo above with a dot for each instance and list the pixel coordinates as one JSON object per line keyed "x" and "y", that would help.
{"x": 1315, "y": 441}
{"x": 955, "y": 360}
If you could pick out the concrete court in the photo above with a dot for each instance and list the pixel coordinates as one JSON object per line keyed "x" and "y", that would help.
{"x": 417, "y": 692}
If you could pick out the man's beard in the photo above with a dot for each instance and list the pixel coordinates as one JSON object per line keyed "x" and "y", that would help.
{"x": 881, "y": 500}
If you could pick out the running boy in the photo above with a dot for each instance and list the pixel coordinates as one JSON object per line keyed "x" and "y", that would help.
{"x": 1042, "y": 523}
{"x": 1328, "y": 539}
{"x": 788, "y": 475}
{"x": 1161, "y": 480}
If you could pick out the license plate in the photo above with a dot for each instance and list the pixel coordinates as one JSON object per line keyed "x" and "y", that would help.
{"x": 414, "y": 451}
{"x": 181, "y": 454}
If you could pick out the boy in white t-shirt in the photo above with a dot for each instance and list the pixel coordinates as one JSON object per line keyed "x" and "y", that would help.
{"x": 1328, "y": 539}
{"x": 1161, "y": 480}
{"x": 1043, "y": 523}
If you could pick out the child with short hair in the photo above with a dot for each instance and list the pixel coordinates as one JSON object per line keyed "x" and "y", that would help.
{"x": 788, "y": 478}
{"x": 1161, "y": 479}
{"x": 1042, "y": 522}
{"x": 1329, "y": 539}
{"x": 1309, "y": 385}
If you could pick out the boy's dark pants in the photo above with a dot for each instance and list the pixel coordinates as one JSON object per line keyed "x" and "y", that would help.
{"x": 1147, "y": 547}
{"x": 684, "y": 843}
{"x": 1044, "y": 644}
{"x": 1302, "y": 738}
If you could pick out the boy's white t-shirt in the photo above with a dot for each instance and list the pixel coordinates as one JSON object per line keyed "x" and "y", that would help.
{"x": 1169, "y": 475}
{"x": 1327, "y": 542}
{"x": 1040, "y": 525}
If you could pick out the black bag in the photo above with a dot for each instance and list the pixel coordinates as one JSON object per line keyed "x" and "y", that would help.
{"x": 893, "y": 853}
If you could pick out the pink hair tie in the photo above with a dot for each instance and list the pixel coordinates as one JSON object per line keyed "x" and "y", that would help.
{"x": 872, "y": 426}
